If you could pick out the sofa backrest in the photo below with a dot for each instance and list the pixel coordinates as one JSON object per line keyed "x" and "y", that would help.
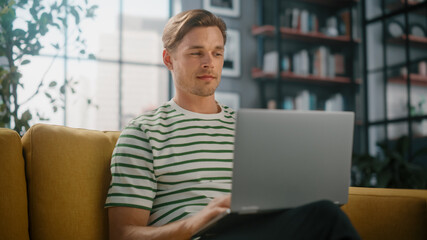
{"x": 13, "y": 188}
{"x": 68, "y": 176}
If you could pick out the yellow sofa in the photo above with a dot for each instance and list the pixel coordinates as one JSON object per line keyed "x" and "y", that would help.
{"x": 53, "y": 183}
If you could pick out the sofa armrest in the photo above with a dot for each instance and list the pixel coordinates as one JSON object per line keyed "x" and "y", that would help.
{"x": 388, "y": 213}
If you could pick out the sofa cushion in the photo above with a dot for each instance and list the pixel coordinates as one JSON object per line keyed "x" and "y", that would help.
{"x": 388, "y": 213}
{"x": 68, "y": 177}
{"x": 13, "y": 196}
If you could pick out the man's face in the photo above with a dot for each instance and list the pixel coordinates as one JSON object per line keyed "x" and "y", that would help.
{"x": 196, "y": 63}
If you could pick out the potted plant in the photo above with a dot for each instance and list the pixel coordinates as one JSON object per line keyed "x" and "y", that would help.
{"x": 393, "y": 168}
{"x": 17, "y": 44}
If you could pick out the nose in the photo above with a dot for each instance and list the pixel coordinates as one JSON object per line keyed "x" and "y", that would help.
{"x": 207, "y": 61}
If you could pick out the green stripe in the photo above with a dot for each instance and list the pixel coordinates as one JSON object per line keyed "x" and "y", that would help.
{"x": 133, "y": 146}
{"x": 129, "y": 195}
{"x": 196, "y": 170}
{"x": 132, "y": 156}
{"x": 192, "y": 143}
{"x": 195, "y": 180}
{"x": 189, "y": 127}
{"x": 133, "y": 128}
{"x": 163, "y": 118}
{"x": 190, "y": 120}
{"x": 192, "y": 161}
{"x": 192, "y": 152}
{"x": 178, "y": 201}
{"x": 131, "y": 186}
{"x": 157, "y": 113}
{"x": 173, "y": 210}
{"x": 126, "y": 205}
{"x": 131, "y": 166}
{"x": 192, "y": 135}
{"x": 179, "y": 217}
{"x": 133, "y": 176}
{"x": 192, "y": 189}
{"x": 134, "y": 137}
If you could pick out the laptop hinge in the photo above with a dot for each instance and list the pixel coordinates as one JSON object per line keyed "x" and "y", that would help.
{"x": 248, "y": 209}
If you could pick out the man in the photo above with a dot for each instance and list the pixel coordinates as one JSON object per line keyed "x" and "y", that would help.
{"x": 171, "y": 168}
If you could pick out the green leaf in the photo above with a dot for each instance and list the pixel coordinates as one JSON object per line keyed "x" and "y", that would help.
{"x": 55, "y": 109}
{"x": 48, "y": 95}
{"x": 52, "y": 84}
{"x": 26, "y": 116}
{"x": 82, "y": 51}
{"x": 92, "y": 56}
{"x": 19, "y": 32}
{"x": 26, "y": 61}
{"x": 62, "y": 89}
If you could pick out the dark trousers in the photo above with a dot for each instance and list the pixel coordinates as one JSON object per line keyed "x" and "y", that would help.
{"x": 319, "y": 220}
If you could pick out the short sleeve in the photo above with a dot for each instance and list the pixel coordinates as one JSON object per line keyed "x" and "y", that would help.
{"x": 133, "y": 183}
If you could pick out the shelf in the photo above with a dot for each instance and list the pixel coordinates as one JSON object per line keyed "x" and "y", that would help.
{"x": 289, "y": 76}
{"x": 401, "y": 4}
{"x": 416, "y": 80}
{"x": 395, "y": 120}
{"x": 297, "y": 35}
{"x": 414, "y": 41}
{"x": 333, "y": 3}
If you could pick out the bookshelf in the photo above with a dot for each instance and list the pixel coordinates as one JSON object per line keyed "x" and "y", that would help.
{"x": 304, "y": 56}
{"x": 308, "y": 51}
{"x": 396, "y": 73}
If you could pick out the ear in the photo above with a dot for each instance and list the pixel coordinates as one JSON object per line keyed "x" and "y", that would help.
{"x": 167, "y": 59}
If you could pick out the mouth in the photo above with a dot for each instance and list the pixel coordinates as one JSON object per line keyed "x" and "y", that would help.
{"x": 206, "y": 77}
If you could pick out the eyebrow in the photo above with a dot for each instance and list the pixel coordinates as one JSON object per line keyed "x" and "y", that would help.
{"x": 201, "y": 47}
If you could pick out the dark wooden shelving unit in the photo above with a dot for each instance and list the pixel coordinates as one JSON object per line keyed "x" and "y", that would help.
{"x": 401, "y": 4}
{"x": 279, "y": 37}
{"x": 414, "y": 41}
{"x": 416, "y": 80}
{"x": 297, "y": 35}
{"x": 333, "y": 3}
{"x": 292, "y": 77}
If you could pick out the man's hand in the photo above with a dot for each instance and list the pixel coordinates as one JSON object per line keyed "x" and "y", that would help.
{"x": 131, "y": 223}
{"x": 214, "y": 208}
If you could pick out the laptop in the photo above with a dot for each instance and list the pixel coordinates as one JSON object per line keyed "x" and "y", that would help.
{"x": 284, "y": 159}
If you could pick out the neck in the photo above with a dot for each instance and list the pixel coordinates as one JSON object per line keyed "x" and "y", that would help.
{"x": 198, "y": 104}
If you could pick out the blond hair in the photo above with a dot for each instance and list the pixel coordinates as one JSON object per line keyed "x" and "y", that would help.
{"x": 182, "y": 23}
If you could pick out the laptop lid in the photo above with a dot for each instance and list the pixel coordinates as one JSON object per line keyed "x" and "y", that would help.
{"x": 284, "y": 159}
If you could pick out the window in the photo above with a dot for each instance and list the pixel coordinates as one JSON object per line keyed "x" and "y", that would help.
{"x": 126, "y": 78}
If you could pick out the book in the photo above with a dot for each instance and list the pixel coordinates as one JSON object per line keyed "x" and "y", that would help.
{"x": 295, "y": 18}
{"x": 335, "y": 103}
{"x": 339, "y": 64}
{"x": 270, "y": 62}
{"x": 304, "y": 21}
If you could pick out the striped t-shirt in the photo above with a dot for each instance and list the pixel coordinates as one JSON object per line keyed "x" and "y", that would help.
{"x": 172, "y": 162}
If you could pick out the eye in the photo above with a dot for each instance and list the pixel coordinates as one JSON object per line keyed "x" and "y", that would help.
{"x": 218, "y": 54}
{"x": 195, "y": 53}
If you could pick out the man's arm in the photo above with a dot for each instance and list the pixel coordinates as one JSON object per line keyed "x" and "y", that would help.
{"x": 131, "y": 223}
